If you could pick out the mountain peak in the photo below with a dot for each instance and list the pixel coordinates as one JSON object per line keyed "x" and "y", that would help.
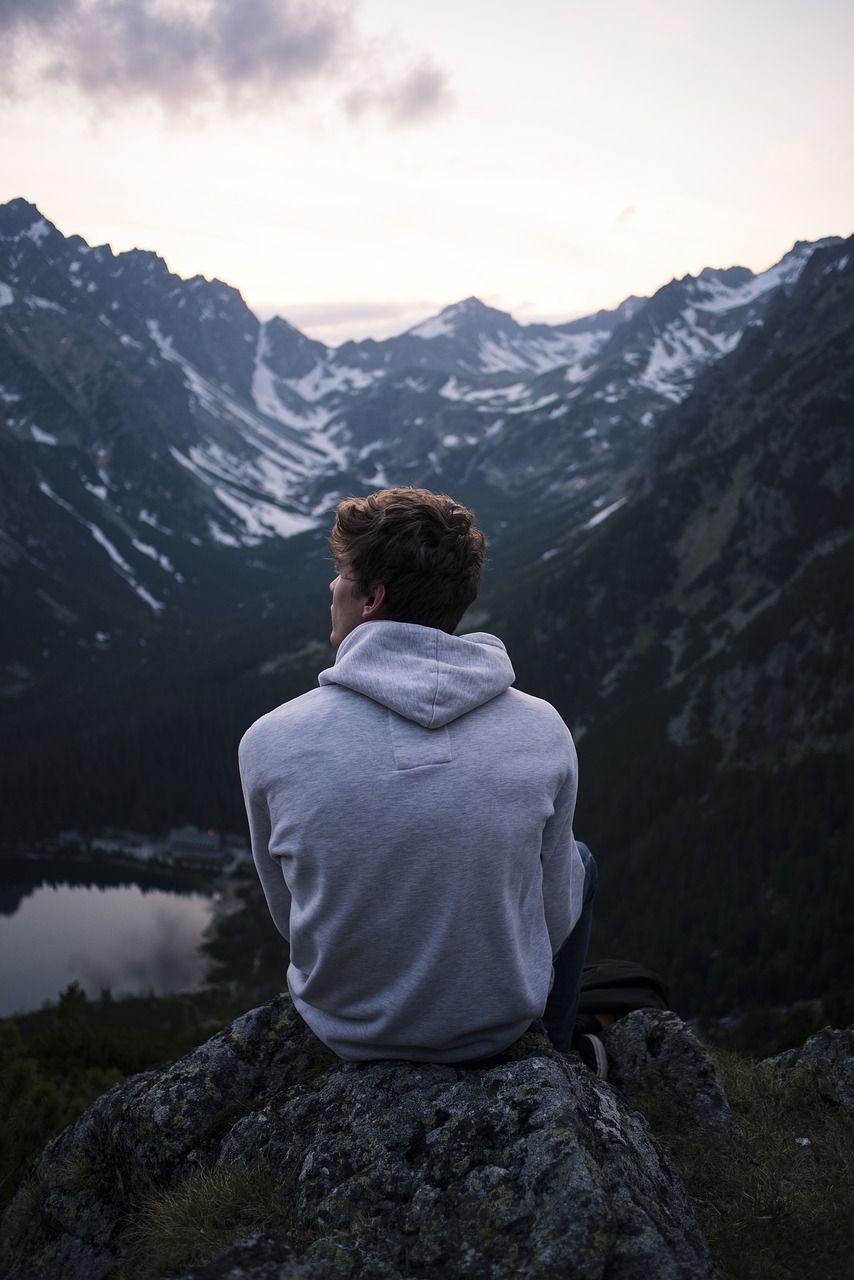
{"x": 472, "y": 309}
{"x": 21, "y": 218}
{"x": 468, "y": 318}
{"x": 467, "y": 306}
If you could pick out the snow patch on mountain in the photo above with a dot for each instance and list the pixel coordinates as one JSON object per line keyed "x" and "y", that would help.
{"x": 533, "y": 405}
{"x": 228, "y": 477}
{"x": 455, "y": 390}
{"x": 35, "y": 302}
{"x": 603, "y": 515}
{"x": 678, "y": 353}
{"x": 540, "y": 355}
{"x": 440, "y": 326}
{"x": 166, "y": 346}
{"x": 38, "y": 231}
{"x": 489, "y": 397}
{"x": 700, "y": 334}
{"x": 262, "y": 519}
{"x": 146, "y": 517}
{"x": 221, "y": 536}
{"x": 311, "y": 422}
{"x": 717, "y": 296}
{"x": 40, "y": 437}
{"x": 274, "y": 451}
{"x": 264, "y": 391}
{"x": 121, "y": 565}
{"x": 146, "y": 549}
{"x": 328, "y": 379}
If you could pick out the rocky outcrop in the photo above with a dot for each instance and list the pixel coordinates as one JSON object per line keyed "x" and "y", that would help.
{"x": 654, "y": 1052}
{"x": 829, "y": 1056}
{"x": 527, "y": 1165}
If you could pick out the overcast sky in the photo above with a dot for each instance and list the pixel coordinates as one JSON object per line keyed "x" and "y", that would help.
{"x": 356, "y": 166}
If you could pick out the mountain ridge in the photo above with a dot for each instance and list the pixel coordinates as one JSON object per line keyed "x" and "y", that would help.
{"x": 159, "y": 420}
{"x": 163, "y": 421}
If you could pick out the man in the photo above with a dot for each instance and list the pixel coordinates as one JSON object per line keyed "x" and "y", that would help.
{"x": 411, "y": 818}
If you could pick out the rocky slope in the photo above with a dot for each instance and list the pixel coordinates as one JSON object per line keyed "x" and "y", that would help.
{"x": 720, "y": 579}
{"x": 525, "y": 1165}
{"x": 699, "y": 640}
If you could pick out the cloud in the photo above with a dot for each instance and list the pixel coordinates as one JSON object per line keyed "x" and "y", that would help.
{"x": 248, "y": 53}
{"x": 18, "y": 15}
{"x": 422, "y": 92}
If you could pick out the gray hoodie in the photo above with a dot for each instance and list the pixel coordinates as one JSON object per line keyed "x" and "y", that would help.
{"x": 411, "y": 822}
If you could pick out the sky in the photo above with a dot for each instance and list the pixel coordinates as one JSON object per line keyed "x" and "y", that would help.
{"x": 357, "y": 165}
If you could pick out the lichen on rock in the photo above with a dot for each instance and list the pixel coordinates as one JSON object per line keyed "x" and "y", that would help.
{"x": 527, "y": 1165}
{"x": 829, "y": 1056}
{"x": 653, "y": 1051}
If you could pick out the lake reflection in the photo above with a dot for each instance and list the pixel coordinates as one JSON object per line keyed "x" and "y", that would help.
{"x": 121, "y": 937}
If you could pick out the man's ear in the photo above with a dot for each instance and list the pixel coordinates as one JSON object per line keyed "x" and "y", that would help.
{"x": 372, "y": 608}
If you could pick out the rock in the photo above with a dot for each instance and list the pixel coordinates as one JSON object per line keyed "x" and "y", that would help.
{"x": 654, "y": 1051}
{"x": 526, "y": 1165}
{"x": 829, "y": 1055}
{"x": 265, "y": 1258}
{"x": 260, "y": 1258}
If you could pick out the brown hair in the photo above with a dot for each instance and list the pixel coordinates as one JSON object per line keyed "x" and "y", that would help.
{"x": 424, "y": 547}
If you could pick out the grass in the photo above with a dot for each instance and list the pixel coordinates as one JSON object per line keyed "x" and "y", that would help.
{"x": 189, "y": 1225}
{"x": 774, "y": 1194}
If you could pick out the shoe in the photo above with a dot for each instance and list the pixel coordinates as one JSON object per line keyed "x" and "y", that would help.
{"x": 591, "y": 1050}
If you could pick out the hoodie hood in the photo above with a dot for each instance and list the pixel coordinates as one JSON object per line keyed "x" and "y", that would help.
{"x": 420, "y": 673}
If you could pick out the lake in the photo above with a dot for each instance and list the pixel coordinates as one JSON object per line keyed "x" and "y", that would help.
{"x": 133, "y": 930}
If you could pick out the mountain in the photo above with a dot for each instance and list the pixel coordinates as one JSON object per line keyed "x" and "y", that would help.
{"x": 667, "y": 490}
{"x": 703, "y": 632}
{"x": 151, "y": 422}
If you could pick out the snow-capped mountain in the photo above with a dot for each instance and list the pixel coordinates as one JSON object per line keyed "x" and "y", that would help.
{"x": 151, "y": 422}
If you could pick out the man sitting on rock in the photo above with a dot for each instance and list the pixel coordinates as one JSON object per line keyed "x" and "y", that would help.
{"x": 411, "y": 818}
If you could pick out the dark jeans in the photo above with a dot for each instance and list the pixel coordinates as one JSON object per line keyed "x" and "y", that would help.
{"x": 562, "y": 1004}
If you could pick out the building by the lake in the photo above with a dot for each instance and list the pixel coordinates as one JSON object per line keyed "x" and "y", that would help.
{"x": 190, "y": 847}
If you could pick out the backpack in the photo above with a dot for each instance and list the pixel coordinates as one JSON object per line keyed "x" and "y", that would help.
{"x": 619, "y": 986}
